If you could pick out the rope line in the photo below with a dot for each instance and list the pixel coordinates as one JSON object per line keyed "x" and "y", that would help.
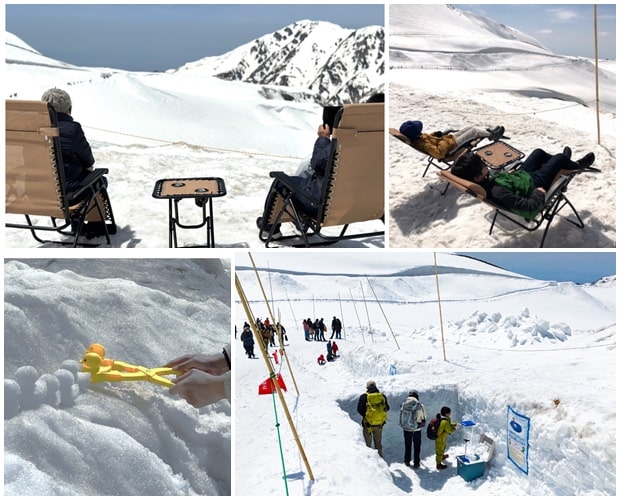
{"x": 195, "y": 146}
{"x": 535, "y": 350}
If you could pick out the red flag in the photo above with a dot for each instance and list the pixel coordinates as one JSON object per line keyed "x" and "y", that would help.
{"x": 266, "y": 387}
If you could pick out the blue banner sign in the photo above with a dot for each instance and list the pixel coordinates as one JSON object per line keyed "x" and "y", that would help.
{"x": 518, "y": 427}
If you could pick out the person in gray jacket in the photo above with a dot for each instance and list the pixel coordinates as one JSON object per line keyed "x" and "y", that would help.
{"x": 412, "y": 419}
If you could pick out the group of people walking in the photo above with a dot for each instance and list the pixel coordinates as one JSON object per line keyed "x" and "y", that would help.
{"x": 373, "y": 406}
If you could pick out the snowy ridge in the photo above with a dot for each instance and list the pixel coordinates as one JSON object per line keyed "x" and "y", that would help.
{"x": 336, "y": 65}
{"x": 547, "y": 349}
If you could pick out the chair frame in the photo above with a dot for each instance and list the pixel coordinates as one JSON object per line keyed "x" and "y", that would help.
{"x": 89, "y": 192}
{"x": 555, "y": 201}
{"x": 286, "y": 209}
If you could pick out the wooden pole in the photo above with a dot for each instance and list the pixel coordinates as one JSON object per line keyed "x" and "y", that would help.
{"x": 341, "y": 315}
{"x": 383, "y": 312}
{"x": 443, "y": 343}
{"x": 271, "y": 315}
{"x": 598, "y": 118}
{"x": 359, "y": 321}
{"x": 272, "y": 375}
{"x": 367, "y": 313}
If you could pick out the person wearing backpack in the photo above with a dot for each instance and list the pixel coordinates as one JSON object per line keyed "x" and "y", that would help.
{"x": 412, "y": 418}
{"x": 373, "y": 407}
{"x": 446, "y": 427}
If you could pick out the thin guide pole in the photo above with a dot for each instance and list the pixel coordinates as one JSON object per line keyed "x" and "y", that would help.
{"x": 383, "y": 312}
{"x": 443, "y": 343}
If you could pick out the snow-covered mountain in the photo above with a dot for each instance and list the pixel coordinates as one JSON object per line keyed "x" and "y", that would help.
{"x": 311, "y": 59}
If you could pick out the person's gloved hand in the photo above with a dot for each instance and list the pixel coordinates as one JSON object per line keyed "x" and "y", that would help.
{"x": 199, "y": 388}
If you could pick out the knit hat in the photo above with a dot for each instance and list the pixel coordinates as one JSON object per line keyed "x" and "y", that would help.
{"x": 370, "y": 383}
{"x": 59, "y": 100}
{"x": 411, "y": 129}
{"x": 414, "y": 394}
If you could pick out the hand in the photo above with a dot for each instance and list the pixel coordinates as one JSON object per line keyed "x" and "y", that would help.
{"x": 541, "y": 189}
{"x": 214, "y": 364}
{"x": 323, "y": 131}
{"x": 199, "y": 388}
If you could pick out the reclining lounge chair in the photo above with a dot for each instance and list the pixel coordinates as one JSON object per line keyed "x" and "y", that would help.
{"x": 555, "y": 201}
{"x": 34, "y": 177}
{"x": 353, "y": 189}
{"x": 497, "y": 154}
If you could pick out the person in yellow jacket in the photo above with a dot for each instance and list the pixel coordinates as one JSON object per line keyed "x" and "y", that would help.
{"x": 440, "y": 144}
{"x": 446, "y": 427}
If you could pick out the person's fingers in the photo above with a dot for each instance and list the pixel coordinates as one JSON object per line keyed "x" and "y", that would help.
{"x": 174, "y": 362}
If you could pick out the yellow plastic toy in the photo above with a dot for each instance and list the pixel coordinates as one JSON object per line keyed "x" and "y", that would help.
{"x": 102, "y": 369}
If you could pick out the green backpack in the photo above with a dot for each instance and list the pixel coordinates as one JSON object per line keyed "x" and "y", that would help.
{"x": 375, "y": 409}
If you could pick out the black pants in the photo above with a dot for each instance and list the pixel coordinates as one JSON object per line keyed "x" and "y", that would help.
{"x": 416, "y": 439}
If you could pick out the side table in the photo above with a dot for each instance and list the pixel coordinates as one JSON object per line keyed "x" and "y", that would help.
{"x": 202, "y": 190}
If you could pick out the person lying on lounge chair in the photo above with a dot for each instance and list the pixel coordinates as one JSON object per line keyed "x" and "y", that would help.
{"x": 523, "y": 190}
{"x": 441, "y": 144}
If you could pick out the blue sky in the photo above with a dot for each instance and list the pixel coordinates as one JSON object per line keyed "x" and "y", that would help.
{"x": 578, "y": 267}
{"x": 160, "y": 37}
{"x": 566, "y": 29}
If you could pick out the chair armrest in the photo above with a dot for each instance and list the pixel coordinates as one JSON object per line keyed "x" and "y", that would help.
{"x": 285, "y": 180}
{"x": 89, "y": 180}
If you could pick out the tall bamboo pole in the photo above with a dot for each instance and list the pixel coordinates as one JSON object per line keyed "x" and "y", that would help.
{"x": 598, "y": 118}
{"x": 367, "y": 313}
{"x": 271, "y": 315}
{"x": 383, "y": 312}
{"x": 443, "y": 343}
{"x": 359, "y": 321}
{"x": 272, "y": 375}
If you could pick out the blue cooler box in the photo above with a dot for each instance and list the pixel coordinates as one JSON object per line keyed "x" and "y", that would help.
{"x": 469, "y": 469}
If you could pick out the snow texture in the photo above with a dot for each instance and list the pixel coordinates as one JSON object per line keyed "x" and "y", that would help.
{"x": 452, "y": 69}
{"x": 66, "y": 436}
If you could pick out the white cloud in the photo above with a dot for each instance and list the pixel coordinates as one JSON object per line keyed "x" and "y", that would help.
{"x": 563, "y": 15}
{"x": 545, "y": 32}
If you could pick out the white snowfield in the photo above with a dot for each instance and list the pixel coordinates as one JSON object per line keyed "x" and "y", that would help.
{"x": 149, "y": 126}
{"x": 547, "y": 349}
{"x": 66, "y": 436}
{"x": 468, "y": 70}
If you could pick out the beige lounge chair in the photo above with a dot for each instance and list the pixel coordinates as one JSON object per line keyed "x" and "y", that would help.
{"x": 34, "y": 177}
{"x": 353, "y": 190}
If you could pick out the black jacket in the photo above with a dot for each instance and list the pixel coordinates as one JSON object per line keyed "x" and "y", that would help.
{"x": 77, "y": 156}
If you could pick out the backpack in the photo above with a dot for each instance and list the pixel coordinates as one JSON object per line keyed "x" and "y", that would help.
{"x": 433, "y": 428}
{"x": 375, "y": 409}
{"x": 407, "y": 419}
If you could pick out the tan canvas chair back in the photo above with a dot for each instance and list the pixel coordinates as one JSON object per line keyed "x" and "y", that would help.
{"x": 357, "y": 189}
{"x": 33, "y": 183}
{"x": 464, "y": 185}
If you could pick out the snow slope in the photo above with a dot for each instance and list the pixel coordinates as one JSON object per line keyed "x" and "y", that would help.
{"x": 149, "y": 126}
{"x": 65, "y": 436}
{"x": 547, "y": 349}
{"x": 452, "y": 69}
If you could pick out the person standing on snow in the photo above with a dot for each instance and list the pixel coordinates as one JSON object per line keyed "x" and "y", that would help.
{"x": 373, "y": 407}
{"x": 412, "y": 419}
{"x": 446, "y": 427}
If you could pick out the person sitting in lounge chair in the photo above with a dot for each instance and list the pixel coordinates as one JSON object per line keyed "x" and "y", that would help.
{"x": 523, "y": 190}
{"x": 441, "y": 144}
{"x": 309, "y": 176}
{"x": 77, "y": 156}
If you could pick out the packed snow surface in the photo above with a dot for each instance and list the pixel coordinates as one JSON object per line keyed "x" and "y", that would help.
{"x": 66, "y": 436}
{"x": 451, "y": 69}
{"x": 547, "y": 349}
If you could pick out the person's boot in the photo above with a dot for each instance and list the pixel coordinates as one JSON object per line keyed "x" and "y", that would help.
{"x": 567, "y": 152}
{"x": 441, "y": 466}
{"x": 496, "y": 133}
{"x": 586, "y": 161}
